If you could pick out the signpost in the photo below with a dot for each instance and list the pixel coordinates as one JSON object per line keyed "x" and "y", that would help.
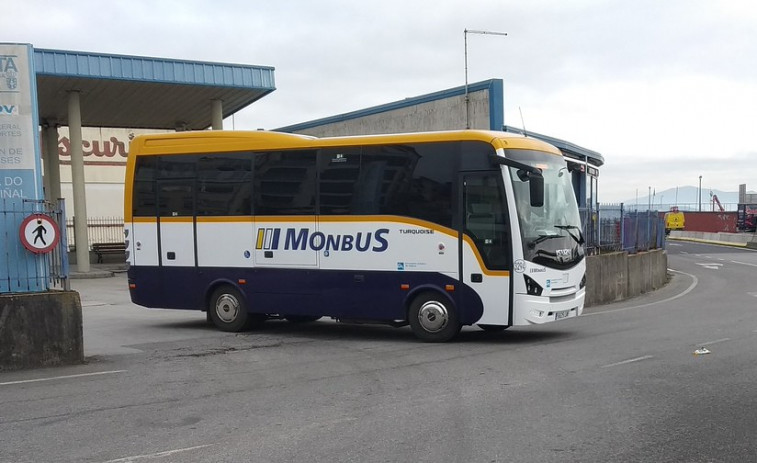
{"x": 39, "y": 233}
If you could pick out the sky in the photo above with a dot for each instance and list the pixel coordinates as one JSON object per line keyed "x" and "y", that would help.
{"x": 666, "y": 90}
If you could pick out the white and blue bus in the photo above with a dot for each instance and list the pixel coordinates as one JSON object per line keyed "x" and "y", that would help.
{"x": 434, "y": 230}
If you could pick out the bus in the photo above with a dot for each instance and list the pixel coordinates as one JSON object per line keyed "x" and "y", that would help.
{"x": 434, "y": 230}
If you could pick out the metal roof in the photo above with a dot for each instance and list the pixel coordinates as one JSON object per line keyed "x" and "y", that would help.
{"x": 143, "y": 92}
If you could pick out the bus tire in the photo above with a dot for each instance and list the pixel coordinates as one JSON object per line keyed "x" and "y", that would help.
{"x": 302, "y": 318}
{"x": 432, "y": 318}
{"x": 494, "y": 328}
{"x": 228, "y": 309}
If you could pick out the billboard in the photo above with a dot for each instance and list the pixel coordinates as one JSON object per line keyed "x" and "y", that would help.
{"x": 20, "y": 178}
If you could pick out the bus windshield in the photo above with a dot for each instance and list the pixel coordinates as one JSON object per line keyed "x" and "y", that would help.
{"x": 552, "y": 234}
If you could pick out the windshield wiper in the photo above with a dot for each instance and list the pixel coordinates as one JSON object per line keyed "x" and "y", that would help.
{"x": 539, "y": 239}
{"x": 579, "y": 239}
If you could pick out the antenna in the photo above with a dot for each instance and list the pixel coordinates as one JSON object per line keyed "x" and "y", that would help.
{"x": 467, "y": 97}
{"x": 522, "y": 122}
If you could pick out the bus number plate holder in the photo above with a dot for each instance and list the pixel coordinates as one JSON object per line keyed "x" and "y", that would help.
{"x": 561, "y": 314}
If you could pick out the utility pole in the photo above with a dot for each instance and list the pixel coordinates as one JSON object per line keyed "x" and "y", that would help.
{"x": 700, "y": 193}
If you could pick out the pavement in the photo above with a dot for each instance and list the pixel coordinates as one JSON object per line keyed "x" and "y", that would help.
{"x": 96, "y": 271}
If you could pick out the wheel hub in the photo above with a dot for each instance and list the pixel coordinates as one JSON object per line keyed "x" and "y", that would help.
{"x": 433, "y": 316}
{"x": 227, "y": 308}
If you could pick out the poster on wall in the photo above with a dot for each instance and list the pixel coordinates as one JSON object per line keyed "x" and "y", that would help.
{"x": 19, "y": 162}
{"x": 20, "y": 178}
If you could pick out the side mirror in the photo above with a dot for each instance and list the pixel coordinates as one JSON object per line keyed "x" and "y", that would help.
{"x": 536, "y": 189}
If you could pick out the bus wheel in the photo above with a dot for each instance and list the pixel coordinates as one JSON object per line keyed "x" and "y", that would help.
{"x": 433, "y": 319}
{"x": 301, "y": 318}
{"x": 493, "y": 328}
{"x": 228, "y": 310}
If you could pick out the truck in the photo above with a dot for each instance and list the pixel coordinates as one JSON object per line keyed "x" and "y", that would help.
{"x": 674, "y": 220}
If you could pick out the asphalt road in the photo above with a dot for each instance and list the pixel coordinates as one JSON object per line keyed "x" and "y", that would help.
{"x": 619, "y": 384}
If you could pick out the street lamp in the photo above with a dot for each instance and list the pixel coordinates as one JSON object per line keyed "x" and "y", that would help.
{"x": 467, "y": 100}
{"x": 700, "y": 193}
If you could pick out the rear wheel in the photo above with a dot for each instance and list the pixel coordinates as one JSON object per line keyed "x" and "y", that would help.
{"x": 433, "y": 319}
{"x": 228, "y": 310}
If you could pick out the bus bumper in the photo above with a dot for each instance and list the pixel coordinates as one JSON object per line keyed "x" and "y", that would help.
{"x": 536, "y": 310}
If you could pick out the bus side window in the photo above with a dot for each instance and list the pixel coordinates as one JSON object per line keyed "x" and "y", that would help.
{"x": 285, "y": 183}
{"x": 224, "y": 185}
{"x": 144, "y": 195}
{"x": 339, "y": 181}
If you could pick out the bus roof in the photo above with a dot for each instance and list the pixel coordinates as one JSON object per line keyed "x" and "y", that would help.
{"x": 228, "y": 141}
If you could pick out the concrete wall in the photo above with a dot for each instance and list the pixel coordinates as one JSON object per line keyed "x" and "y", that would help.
{"x": 444, "y": 110}
{"x": 446, "y": 114}
{"x": 40, "y": 330}
{"x": 747, "y": 239}
{"x": 617, "y": 276}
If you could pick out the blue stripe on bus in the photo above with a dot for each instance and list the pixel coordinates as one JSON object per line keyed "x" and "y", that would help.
{"x": 354, "y": 294}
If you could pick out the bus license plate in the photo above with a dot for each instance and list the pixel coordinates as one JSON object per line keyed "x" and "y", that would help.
{"x": 561, "y": 314}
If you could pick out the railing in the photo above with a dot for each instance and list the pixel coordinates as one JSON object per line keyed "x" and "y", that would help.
{"x": 99, "y": 230}
{"x": 615, "y": 227}
{"x": 20, "y": 272}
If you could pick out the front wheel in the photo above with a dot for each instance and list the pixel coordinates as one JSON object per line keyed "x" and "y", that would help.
{"x": 228, "y": 309}
{"x": 433, "y": 318}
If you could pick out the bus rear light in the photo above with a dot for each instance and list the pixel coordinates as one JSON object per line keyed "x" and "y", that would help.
{"x": 532, "y": 287}
{"x": 242, "y": 281}
{"x": 449, "y": 288}
{"x": 404, "y": 287}
{"x": 132, "y": 286}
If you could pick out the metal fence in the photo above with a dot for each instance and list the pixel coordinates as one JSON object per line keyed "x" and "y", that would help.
{"x": 615, "y": 227}
{"x": 99, "y": 230}
{"x": 20, "y": 270}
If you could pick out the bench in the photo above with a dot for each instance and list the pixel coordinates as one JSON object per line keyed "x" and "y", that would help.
{"x": 107, "y": 248}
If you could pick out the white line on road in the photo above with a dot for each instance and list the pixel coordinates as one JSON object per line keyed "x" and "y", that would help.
{"x": 151, "y": 456}
{"x": 637, "y": 359}
{"x": 62, "y": 377}
{"x": 710, "y": 265}
{"x": 713, "y": 342}
{"x": 691, "y": 287}
{"x": 744, "y": 263}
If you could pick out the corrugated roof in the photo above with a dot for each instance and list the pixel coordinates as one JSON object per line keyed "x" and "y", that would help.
{"x": 143, "y": 92}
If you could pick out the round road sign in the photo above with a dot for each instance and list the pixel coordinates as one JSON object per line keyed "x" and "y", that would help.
{"x": 39, "y": 233}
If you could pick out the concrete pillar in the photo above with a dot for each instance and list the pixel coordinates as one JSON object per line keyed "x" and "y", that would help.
{"x": 216, "y": 114}
{"x": 52, "y": 166}
{"x": 46, "y": 163}
{"x": 78, "y": 183}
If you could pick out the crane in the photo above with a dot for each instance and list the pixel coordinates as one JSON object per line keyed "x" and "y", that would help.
{"x": 716, "y": 200}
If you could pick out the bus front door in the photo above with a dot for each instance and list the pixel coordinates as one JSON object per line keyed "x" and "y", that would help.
{"x": 485, "y": 241}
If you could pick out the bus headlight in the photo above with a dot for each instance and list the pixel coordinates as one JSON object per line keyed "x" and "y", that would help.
{"x": 583, "y": 282}
{"x": 532, "y": 287}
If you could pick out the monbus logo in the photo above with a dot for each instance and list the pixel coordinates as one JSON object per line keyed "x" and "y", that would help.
{"x": 302, "y": 239}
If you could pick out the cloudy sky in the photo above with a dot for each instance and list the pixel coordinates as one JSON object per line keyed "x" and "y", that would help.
{"x": 665, "y": 90}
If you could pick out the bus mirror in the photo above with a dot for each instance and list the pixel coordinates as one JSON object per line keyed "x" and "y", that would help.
{"x": 536, "y": 189}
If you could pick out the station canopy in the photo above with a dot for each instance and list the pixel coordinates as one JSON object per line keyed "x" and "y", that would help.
{"x": 141, "y": 92}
